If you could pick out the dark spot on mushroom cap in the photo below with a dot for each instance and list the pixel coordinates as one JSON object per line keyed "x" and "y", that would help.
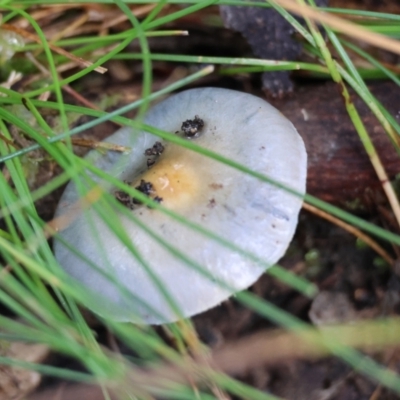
{"x": 191, "y": 127}
{"x": 129, "y": 201}
{"x": 145, "y": 187}
{"x": 157, "y": 199}
{"x": 124, "y": 198}
{"x": 211, "y": 203}
{"x": 155, "y": 150}
{"x": 150, "y": 162}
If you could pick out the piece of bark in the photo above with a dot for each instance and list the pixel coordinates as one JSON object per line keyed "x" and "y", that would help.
{"x": 339, "y": 169}
{"x": 270, "y": 36}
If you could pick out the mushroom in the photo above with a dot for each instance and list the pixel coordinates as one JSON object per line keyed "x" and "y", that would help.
{"x": 256, "y": 216}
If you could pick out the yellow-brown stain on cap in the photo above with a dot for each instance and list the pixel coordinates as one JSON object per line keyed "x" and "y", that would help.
{"x": 174, "y": 178}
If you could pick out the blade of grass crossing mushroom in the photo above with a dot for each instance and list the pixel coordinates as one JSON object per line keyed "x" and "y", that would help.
{"x": 355, "y": 117}
{"x": 114, "y": 116}
{"x": 27, "y": 128}
{"x": 312, "y": 200}
{"x": 294, "y": 281}
{"x": 158, "y": 238}
{"x": 304, "y": 287}
{"x": 160, "y": 114}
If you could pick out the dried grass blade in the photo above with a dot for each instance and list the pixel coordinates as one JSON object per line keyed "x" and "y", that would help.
{"x": 27, "y": 35}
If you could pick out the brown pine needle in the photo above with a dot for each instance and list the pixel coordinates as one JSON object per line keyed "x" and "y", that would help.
{"x": 78, "y": 97}
{"x": 94, "y": 144}
{"x": 351, "y": 229}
